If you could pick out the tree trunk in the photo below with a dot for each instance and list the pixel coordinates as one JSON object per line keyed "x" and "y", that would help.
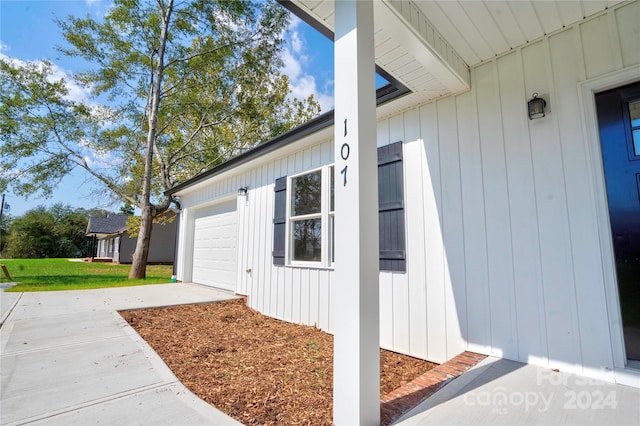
{"x": 139, "y": 262}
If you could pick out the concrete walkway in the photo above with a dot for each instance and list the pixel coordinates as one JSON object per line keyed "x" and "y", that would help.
{"x": 68, "y": 358}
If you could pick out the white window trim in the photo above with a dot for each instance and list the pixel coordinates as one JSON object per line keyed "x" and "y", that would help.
{"x": 325, "y": 204}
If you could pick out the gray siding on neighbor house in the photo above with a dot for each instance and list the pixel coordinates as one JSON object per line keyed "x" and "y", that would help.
{"x": 163, "y": 243}
{"x": 161, "y": 248}
{"x": 127, "y": 247}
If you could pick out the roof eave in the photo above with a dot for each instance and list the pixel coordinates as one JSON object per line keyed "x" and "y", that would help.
{"x": 384, "y": 94}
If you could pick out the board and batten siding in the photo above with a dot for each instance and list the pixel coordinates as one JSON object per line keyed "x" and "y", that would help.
{"x": 501, "y": 217}
{"x": 503, "y": 252}
{"x": 299, "y": 295}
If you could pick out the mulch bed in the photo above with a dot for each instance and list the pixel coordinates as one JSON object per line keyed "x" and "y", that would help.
{"x": 257, "y": 369}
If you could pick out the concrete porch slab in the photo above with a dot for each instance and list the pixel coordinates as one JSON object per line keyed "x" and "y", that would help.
{"x": 502, "y": 392}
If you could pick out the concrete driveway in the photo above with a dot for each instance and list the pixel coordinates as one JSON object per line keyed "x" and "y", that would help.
{"x": 68, "y": 358}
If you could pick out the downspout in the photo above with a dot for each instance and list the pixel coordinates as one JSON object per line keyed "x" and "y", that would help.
{"x": 176, "y": 236}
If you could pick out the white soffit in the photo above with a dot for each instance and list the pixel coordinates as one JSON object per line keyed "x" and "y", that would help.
{"x": 428, "y": 45}
{"x": 410, "y": 48}
{"x": 480, "y": 30}
{"x": 407, "y": 46}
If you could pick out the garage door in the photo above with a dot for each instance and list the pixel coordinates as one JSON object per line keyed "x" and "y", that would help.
{"x": 214, "y": 247}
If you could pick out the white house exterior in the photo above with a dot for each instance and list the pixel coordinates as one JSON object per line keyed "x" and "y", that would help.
{"x": 508, "y": 245}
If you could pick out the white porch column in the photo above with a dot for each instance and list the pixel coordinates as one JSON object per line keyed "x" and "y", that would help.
{"x": 185, "y": 247}
{"x": 356, "y": 389}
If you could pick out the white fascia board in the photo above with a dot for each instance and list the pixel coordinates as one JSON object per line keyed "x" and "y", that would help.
{"x": 304, "y": 142}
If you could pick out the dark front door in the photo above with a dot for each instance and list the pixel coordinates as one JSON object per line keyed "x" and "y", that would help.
{"x": 619, "y": 123}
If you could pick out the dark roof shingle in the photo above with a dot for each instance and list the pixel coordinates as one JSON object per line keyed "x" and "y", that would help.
{"x": 113, "y": 224}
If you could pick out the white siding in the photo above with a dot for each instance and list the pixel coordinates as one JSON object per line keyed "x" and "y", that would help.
{"x": 503, "y": 255}
{"x": 507, "y": 243}
{"x": 300, "y": 295}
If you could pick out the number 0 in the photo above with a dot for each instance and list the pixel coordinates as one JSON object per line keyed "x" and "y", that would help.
{"x": 345, "y": 150}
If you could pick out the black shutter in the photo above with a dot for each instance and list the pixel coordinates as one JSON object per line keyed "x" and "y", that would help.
{"x": 391, "y": 208}
{"x": 279, "y": 220}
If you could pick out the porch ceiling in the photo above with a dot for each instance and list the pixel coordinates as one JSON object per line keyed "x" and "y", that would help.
{"x": 428, "y": 46}
{"x": 480, "y": 30}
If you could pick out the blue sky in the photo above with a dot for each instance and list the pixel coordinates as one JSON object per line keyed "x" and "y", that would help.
{"x": 28, "y": 32}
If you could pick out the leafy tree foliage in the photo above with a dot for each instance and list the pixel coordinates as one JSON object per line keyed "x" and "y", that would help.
{"x": 5, "y": 222}
{"x": 189, "y": 84}
{"x": 32, "y": 236}
{"x": 127, "y": 209}
{"x": 58, "y": 231}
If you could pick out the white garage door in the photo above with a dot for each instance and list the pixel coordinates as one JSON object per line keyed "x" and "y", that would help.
{"x": 214, "y": 246}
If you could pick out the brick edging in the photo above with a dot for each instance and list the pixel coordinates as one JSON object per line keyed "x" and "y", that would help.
{"x": 398, "y": 402}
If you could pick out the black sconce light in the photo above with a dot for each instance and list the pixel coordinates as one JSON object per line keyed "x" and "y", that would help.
{"x": 242, "y": 191}
{"x": 536, "y": 107}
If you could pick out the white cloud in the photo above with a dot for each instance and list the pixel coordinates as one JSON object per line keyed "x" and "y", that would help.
{"x": 101, "y": 161}
{"x": 76, "y": 92}
{"x": 302, "y": 82}
{"x": 306, "y": 85}
{"x": 292, "y": 65}
{"x": 296, "y": 42}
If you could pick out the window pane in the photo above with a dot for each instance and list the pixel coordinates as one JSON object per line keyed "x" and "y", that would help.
{"x": 634, "y": 113}
{"x": 636, "y": 142}
{"x": 332, "y": 233}
{"x": 333, "y": 179}
{"x": 305, "y": 194}
{"x": 307, "y": 240}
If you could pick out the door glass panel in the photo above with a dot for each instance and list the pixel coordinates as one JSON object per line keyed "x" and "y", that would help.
{"x": 634, "y": 117}
{"x": 636, "y": 142}
{"x": 634, "y": 113}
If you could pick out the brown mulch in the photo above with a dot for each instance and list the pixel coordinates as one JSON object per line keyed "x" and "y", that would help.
{"x": 257, "y": 369}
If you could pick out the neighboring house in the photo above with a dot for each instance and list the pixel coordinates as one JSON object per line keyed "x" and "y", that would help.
{"x": 495, "y": 229}
{"x": 111, "y": 241}
{"x": 106, "y": 234}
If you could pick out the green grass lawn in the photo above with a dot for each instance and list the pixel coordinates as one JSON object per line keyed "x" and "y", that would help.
{"x": 61, "y": 274}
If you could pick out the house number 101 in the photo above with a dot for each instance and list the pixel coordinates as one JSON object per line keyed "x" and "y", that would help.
{"x": 345, "y": 150}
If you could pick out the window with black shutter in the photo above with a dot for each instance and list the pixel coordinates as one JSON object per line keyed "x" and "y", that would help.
{"x": 391, "y": 214}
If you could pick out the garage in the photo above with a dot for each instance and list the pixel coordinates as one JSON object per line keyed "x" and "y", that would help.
{"x": 214, "y": 246}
